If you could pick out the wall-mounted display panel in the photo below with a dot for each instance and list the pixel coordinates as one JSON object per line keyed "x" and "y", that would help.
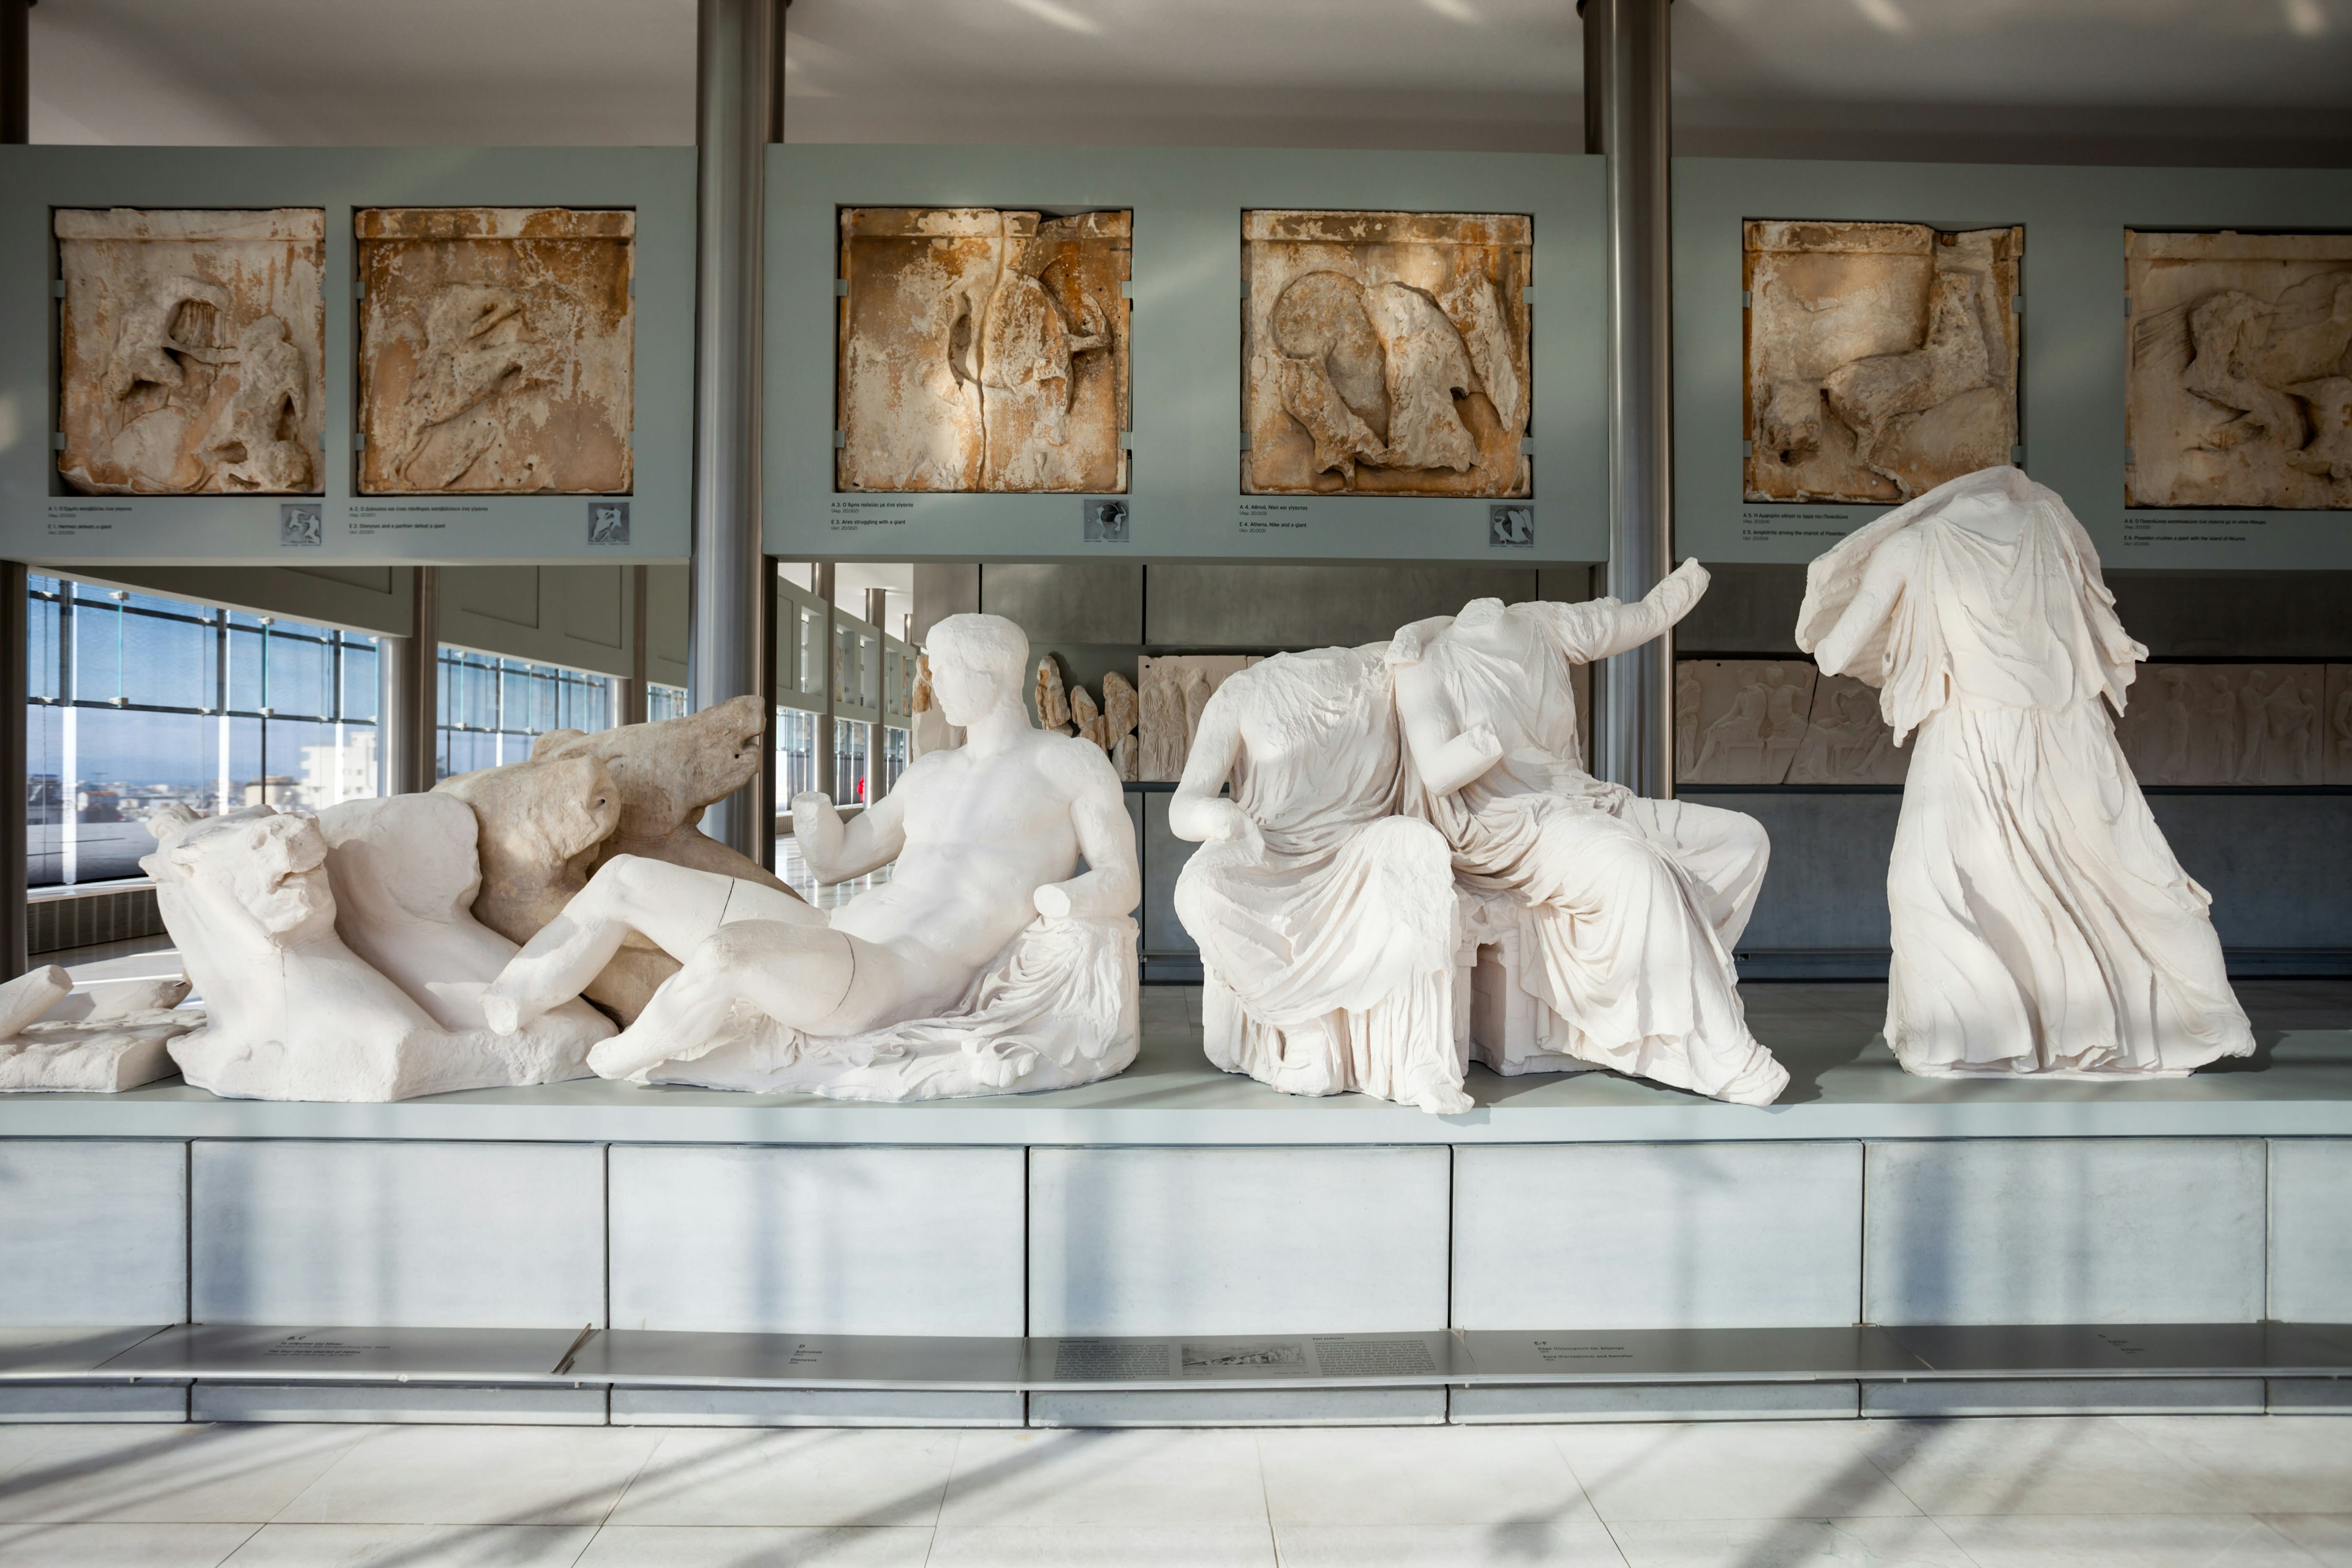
{"x": 1801, "y": 345}
{"x": 285, "y": 356}
{"x": 1325, "y": 355}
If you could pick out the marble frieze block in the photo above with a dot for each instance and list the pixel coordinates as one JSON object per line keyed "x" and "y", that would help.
{"x": 2248, "y": 724}
{"x": 982, "y": 351}
{"x": 1387, "y": 353}
{"x": 191, "y": 351}
{"x": 2239, "y": 386}
{"x": 1770, "y": 722}
{"x": 497, "y": 350}
{"x": 1881, "y": 358}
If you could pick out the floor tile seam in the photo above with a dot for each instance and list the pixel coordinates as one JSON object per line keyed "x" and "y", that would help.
{"x": 246, "y": 1541}
{"x": 622, "y": 1490}
{"x": 362, "y": 1433}
{"x": 1265, "y": 1498}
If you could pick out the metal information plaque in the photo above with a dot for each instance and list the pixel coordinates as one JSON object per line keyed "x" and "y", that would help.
{"x": 657, "y": 1358}
{"x": 272, "y": 1354}
{"x": 1254, "y": 1360}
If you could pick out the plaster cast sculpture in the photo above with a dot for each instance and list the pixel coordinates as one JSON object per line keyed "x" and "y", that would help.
{"x": 2229, "y": 724}
{"x": 2041, "y": 923}
{"x": 656, "y": 779}
{"x": 928, "y": 727}
{"x": 497, "y": 350}
{"x": 1772, "y": 722}
{"x": 57, "y": 1040}
{"x": 982, "y": 351}
{"x": 1386, "y": 353}
{"x": 988, "y": 963}
{"x": 191, "y": 351}
{"x": 290, "y": 1011}
{"x": 1619, "y": 913}
{"x": 1881, "y": 358}
{"x": 2239, "y": 386}
{"x": 1327, "y": 922}
{"x": 1120, "y": 712}
{"x": 1172, "y": 692}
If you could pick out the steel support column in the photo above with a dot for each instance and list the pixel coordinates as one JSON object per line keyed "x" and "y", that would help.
{"x": 738, "y": 90}
{"x": 1629, "y": 104}
{"x": 412, "y": 690}
{"x": 16, "y": 112}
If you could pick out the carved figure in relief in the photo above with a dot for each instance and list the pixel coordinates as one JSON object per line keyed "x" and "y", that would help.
{"x": 1173, "y": 690}
{"x": 1623, "y": 912}
{"x": 2228, "y": 725}
{"x": 982, "y": 351}
{"x": 1327, "y": 922}
{"x": 192, "y": 345}
{"x": 2239, "y": 388}
{"x": 1387, "y": 352}
{"x": 1086, "y": 719}
{"x": 497, "y": 350}
{"x": 987, "y": 962}
{"x": 291, "y": 1012}
{"x": 1980, "y": 612}
{"x": 1881, "y": 358}
{"x": 116, "y": 1035}
{"x": 1120, "y": 714}
{"x": 1053, "y": 702}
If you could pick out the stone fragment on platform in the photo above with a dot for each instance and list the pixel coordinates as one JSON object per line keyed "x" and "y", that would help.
{"x": 290, "y": 1011}
{"x": 1052, "y": 701}
{"x": 57, "y": 1040}
{"x": 1172, "y": 691}
{"x": 497, "y": 350}
{"x": 940, "y": 984}
{"x": 1120, "y": 712}
{"x": 983, "y": 350}
{"x": 2246, "y": 724}
{"x": 191, "y": 348}
{"x": 1386, "y": 353}
{"x": 1881, "y": 358}
{"x": 2240, "y": 387}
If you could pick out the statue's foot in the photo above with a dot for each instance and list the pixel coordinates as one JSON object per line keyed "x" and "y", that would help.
{"x": 1444, "y": 1099}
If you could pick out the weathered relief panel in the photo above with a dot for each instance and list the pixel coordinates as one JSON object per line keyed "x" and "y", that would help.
{"x": 982, "y": 351}
{"x": 1171, "y": 692}
{"x": 1387, "y": 353}
{"x": 2239, "y": 388}
{"x": 497, "y": 350}
{"x": 191, "y": 348}
{"x": 1881, "y": 358}
{"x": 1770, "y": 722}
{"x": 2248, "y": 724}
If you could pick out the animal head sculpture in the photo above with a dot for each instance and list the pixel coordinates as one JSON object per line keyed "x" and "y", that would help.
{"x": 252, "y": 878}
{"x": 665, "y": 773}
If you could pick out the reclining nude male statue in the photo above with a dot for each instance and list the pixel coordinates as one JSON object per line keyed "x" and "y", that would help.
{"x": 988, "y": 963}
{"x": 1622, "y": 911}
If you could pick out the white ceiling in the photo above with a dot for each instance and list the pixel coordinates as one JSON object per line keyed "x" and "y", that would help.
{"x": 2155, "y": 81}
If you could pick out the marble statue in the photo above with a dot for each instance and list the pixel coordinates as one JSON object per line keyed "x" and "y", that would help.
{"x": 55, "y": 1039}
{"x": 497, "y": 350}
{"x": 988, "y": 963}
{"x": 2041, "y": 923}
{"x": 1120, "y": 714}
{"x": 1881, "y": 358}
{"x": 983, "y": 350}
{"x": 659, "y": 777}
{"x": 1772, "y": 722}
{"x": 1386, "y": 353}
{"x": 191, "y": 351}
{"x": 928, "y": 727}
{"x": 2228, "y": 724}
{"x": 1327, "y": 922}
{"x": 290, "y": 1011}
{"x": 1622, "y": 912}
{"x": 1174, "y": 691}
{"x": 2240, "y": 387}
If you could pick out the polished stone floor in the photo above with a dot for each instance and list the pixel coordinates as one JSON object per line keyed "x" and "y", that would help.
{"x": 2132, "y": 1492}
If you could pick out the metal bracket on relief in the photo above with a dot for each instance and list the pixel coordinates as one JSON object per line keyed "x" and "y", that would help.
{"x": 1126, "y": 441}
{"x": 1527, "y": 446}
{"x": 359, "y": 288}
{"x": 840, "y": 440}
{"x": 56, "y": 288}
{"x": 1747, "y": 301}
{"x": 841, "y": 288}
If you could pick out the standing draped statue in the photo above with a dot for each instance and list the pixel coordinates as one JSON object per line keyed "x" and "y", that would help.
{"x": 2041, "y": 923}
{"x": 1325, "y": 923}
{"x": 1628, "y": 909}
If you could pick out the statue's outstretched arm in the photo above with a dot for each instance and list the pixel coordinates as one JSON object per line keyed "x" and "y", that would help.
{"x": 837, "y": 852}
{"x": 1197, "y": 811}
{"x": 1598, "y": 628}
{"x": 1112, "y": 884}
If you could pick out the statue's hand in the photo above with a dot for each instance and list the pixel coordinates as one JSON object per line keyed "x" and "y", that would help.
{"x": 812, "y": 804}
{"x": 1482, "y": 738}
{"x": 1232, "y": 824}
{"x": 1053, "y": 901}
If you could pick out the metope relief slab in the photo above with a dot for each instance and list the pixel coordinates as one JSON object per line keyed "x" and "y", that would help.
{"x": 1773, "y": 721}
{"x": 1172, "y": 691}
{"x": 191, "y": 351}
{"x": 982, "y": 351}
{"x": 1881, "y": 358}
{"x": 497, "y": 350}
{"x": 2239, "y": 389}
{"x": 1387, "y": 353}
{"x": 2235, "y": 724}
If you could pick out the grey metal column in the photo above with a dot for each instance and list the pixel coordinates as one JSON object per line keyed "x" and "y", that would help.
{"x": 16, "y": 110}
{"x": 877, "y": 602}
{"x": 828, "y": 681}
{"x": 1627, "y": 56}
{"x": 738, "y": 55}
{"x": 412, "y": 690}
{"x": 633, "y": 689}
